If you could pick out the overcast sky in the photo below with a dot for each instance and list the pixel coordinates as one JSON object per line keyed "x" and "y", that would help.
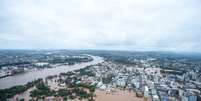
{"x": 159, "y": 25}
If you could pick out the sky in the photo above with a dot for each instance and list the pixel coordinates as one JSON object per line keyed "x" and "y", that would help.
{"x": 136, "y": 25}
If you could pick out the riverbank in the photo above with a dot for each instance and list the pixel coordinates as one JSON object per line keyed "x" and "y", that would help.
{"x": 22, "y": 79}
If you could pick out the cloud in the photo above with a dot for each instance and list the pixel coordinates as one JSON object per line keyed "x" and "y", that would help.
{"x": 101, "y": 24}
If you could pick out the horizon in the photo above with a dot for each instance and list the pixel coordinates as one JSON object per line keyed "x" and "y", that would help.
{"x": 101, "y": 50}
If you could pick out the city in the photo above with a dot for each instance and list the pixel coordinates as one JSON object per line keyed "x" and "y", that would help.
{"x": 138, "y": 76}
{"x": 100, "y": 50}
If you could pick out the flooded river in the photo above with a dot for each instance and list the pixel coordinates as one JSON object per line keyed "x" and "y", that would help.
{"x": 22, "y": 79}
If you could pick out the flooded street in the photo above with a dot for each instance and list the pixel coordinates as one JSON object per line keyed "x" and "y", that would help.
{"x": 22, "y": 79}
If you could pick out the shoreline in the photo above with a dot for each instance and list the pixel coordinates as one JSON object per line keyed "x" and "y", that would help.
{"x": 30, "y": 76}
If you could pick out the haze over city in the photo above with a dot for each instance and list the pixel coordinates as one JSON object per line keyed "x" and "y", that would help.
{"x": 153, "y": 25}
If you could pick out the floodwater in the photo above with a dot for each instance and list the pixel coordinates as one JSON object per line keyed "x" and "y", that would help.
{"x": 22, "y": 79}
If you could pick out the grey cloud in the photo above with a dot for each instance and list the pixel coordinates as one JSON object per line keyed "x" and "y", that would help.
{"x": 106, "y": 24}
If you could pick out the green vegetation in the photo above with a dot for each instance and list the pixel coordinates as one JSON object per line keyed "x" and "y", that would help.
{"x": 80, "y": 91}
{"x": 67, "y": 73}
{"x": 14, "y": 64}
{"x": 10, "y": 92}
{"x": 91, "y": 89}
{"x": 21, "y": 99}
{"x": 86, "y": 71}
{"x": 83, "y": 85}
{"x": 41, "y": 90}
{"x": 77, "y": 91}
{"x": 63, "y": 92}
{"x": 51, "y": 76}
{"x": 71, "y": 60}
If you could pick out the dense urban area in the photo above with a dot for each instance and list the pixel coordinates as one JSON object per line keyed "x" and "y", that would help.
{"x": 121, "y": 76}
